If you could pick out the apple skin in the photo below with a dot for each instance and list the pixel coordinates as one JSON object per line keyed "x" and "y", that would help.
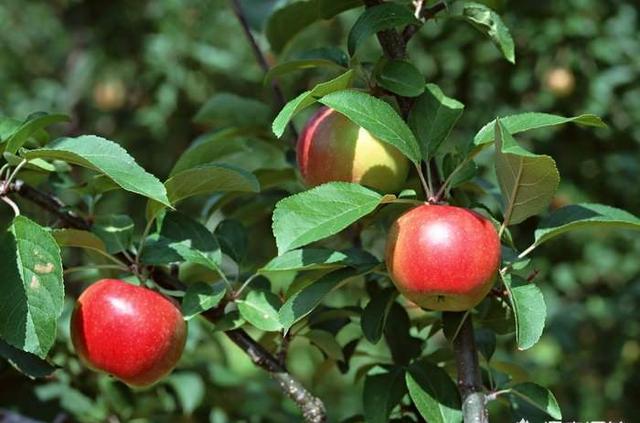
{"x": 333, "y": 148}
{"x": 131, "y": 332}
{"x": 443, "y": 257}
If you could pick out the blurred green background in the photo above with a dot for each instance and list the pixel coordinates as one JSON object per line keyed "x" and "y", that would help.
{"x": 138, "y": 72}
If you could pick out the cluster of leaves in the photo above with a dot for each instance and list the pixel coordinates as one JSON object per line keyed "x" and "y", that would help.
{"x": 285, "y": 295}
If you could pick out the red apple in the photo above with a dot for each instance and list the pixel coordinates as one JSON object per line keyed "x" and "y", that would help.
{"x": 443, "y": 257}
{"x": 333, "y": 148}
{"x": 131, "y": 332}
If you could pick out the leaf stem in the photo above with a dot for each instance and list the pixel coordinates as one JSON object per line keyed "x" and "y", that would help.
{"x": 13, "y": 205}
{"x": 246, "y": 283}
{"x": 425, "y": 185}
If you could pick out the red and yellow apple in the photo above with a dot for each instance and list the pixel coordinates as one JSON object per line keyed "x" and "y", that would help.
{"x": 131, "y": 332}
{"x": 443, "y": 257}
{"x": 333, "y": 148}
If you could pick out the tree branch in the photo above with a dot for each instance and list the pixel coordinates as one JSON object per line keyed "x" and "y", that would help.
{"x": 469, "y": 379}
{"x": 312, "y": 407}
{"x": 394, "y": 46}
{"x": 261, "y": 59}
{"x": 424, "y": 14}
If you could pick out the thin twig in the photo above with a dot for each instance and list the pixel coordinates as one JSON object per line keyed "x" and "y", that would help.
{"x": 261, "y": 59}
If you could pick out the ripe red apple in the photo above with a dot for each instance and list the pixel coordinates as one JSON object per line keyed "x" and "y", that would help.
{"x": 131, "y": 332}
{"x": 333, "y": 148}
{"x": 443, "y": 257}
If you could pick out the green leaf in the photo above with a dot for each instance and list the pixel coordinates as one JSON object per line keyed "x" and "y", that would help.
{"x": 307, "y": 98}
{"x": 374, "y": 315}
{"x": 397, "y": 334}
{"x": 232, "y": 147}
{"x": 315, "y": 258}
{"x": 485, "y": 341}
{"x": 307, "y": 299}
{"x": 34, "y": 123}
{"x": 182, "y": 239}
{"x": 377, "y": 117}
{"x": 207, "y": 179}
{"x": 32, "y": 294}
{"x": 201, "y": 297}
{"x": 381, "y": 394}
{"x": 299, "y": 64}
{"x": 108, "y": 158}
{"x": 578, "y": 216}
{"x": 228, "y": 109}
{"x": 26, "y": 363}
{"x": 402, "y": 78}
{"x": 538, "y": 396}
{"x": 260, "y": 308}
{"x": 527, "y": 181}
{"x": 289, "y": 20}
{"x": 515, "y": 124}
{"x": 432, "y": 118}
{"x": 190, "y": 389}
{"x": 79, "y": 239}
{"x": 35, "y": 164}
{"x": 320, "y": 212}
{"x": 433, "y": 393}
{"x": 489, "y": 23}
{"x": 529, "y": 310}
{"x": 330, "y": 53}
{"x": 116, "y": 230}
{"x": 233, "y": 239}
{"x": 327, "y": 343}
{"x": 376, "y": 19}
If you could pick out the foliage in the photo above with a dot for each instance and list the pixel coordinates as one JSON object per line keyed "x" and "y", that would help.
{"x": 171, "y": 89}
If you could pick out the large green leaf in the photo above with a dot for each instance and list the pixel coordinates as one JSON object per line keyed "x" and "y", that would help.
{"x": 433, "y": 393}
{"x": 287, "y": 21}
{"x": 515, "y": 124}
{"x": 230, "y": 109}
{"x": 432, "y": 118}
{"x": 402, "y": 78}
{"x": 307, "y": 299}
{"x": 307, "y": 98}
{"x": 201, "y": 297}
{"x": 529, "y": 310}
{"x": 32, "y": 293}
{"x": 377, "y": 117}
{"x": 527, "y": 181}
{"x": 316, "y": 258}
{"x": 108, "y": 158}
{"x": 116, "y": 230}
{"x": 374, "y": 315}
{"x": 488, "y": 22}
{"x": 68, "y": 237}
{"x": 578, "y": 216}
{"x": 32, "y": 124}
{"x": 539, "y": 397}
{"x": 300, "y": 64}
{"x": 26, "y": 363}
{"x": 376, "y": 19}
{"x": 207, "y": 179}
{"x": 260, "y": 308}
{"x": 182, "y": 239}
{"x": 231, "y": 147}
{"x": 381, "y": 394}
{"x": 320, "y": 212}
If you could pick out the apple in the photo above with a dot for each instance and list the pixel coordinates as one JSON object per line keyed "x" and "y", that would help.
{"x": 131, "y": 332}
{"x": 560, "y": 81}
{"x": 333, "y": 148}
{"x": 443, "y": 257}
